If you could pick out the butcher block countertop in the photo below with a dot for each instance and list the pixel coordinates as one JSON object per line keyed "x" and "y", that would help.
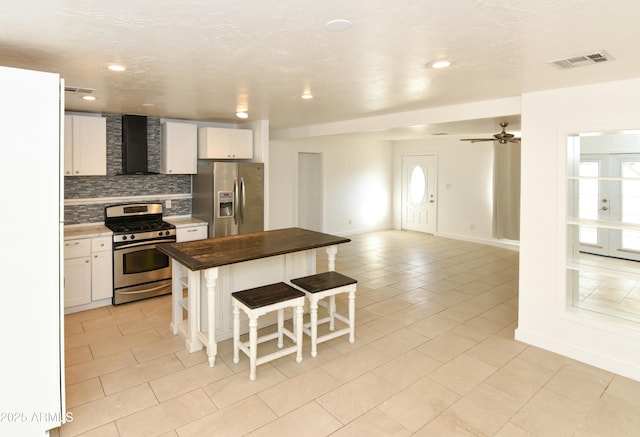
{"x": 216, "y": 252}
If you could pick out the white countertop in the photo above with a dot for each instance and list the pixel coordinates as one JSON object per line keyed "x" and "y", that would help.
{"x": 184, "y": 221}
{"x": 89, "y": 230}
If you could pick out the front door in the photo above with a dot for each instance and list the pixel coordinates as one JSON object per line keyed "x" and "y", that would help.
{"x": 419, "y": 193}
{"x": 610, "y": 191}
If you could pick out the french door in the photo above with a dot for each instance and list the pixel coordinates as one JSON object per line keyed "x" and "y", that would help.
{"x": 610, "y": 191}
{"x": 419, "y": 193}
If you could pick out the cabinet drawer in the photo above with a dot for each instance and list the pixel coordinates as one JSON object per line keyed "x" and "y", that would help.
{"x": 101, "y": 244}
{"x": 191, "y": 233}
{"x": 77, "y": 248}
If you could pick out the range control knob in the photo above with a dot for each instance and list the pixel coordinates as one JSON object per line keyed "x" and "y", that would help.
{"x": 133, "y": 237}
{"x": 160, "y": 234}
{"x": 167, "y": 233}
{"x": 124, "y": 237}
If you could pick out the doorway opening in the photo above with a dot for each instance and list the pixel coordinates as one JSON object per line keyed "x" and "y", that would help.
{"x": 310, "y": 191}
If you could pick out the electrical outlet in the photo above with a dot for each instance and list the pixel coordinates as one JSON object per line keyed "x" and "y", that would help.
{"x": 473, "y": 227}
{"x": 167, "y": 203}
{"x": 349, "y": 221}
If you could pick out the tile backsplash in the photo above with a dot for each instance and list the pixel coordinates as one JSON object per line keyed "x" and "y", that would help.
{"x": 153, "y": 187}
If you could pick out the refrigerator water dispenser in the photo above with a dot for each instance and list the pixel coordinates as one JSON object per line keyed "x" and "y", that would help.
{"x": 225, "y": 204}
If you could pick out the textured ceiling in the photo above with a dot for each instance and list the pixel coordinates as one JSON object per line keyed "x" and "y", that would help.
{"x": 202, "y": 59}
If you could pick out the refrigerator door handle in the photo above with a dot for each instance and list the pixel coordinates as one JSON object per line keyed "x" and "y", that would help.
{"x": 235, "y": 201}
{"x": 243, "y": 200}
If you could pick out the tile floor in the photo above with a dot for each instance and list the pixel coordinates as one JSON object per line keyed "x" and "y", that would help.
{"x": 605, "y": 294}
{"x": 434, "y": 356}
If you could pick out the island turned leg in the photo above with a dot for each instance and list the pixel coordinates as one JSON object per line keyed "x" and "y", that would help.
{"x": 192, "y": 343}
{"x": 331, "y": 254}
{"x": 176, "y": 297}
{"x": 211, "y": 275}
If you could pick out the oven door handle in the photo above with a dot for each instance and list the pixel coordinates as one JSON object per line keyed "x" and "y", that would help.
{"x": 146, "y": 290}
{"x": 142, "y": 243}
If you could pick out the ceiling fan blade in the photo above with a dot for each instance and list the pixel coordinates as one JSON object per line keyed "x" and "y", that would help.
{"x": 501, "y": 137}
{"x": 476, "y": 140}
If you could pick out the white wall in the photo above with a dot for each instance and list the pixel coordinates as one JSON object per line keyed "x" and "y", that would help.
{"x": 464, "y": 185}
{"x": 356, "y": 174}
{"x": 544, "y": 317}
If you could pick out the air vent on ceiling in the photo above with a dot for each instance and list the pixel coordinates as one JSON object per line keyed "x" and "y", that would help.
{"x": 581, "y": 60}
{"x": 78, "y": 90}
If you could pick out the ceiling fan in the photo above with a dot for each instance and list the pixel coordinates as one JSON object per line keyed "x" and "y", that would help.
{"x": 502, "y": 137}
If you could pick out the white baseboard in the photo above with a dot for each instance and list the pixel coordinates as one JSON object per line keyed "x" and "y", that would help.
{"x": 601, "y": 361}
{"x": 505, "y": 244}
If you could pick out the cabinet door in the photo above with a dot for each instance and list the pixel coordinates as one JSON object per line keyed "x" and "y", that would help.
{"x": 225, "y": 143}
{"x": 214, "y": 143}
{"x": 101, "y": 275}
{"x": 77, "y": 281}
{"x": 89, "y": 146}
{"x": 179, "y": 148}
{"x": 68, "y": 145}
{"x": 242, "y": 143}
{"x": 85, "y": 146}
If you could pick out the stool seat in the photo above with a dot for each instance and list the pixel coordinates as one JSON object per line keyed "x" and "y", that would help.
{"x": 327, "y": 285}
{"x": 256, "y": 302}
{"x": 323, "y": 281}
{"x": 267, "y": 295}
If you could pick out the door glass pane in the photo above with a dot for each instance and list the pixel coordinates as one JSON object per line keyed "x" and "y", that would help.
{"x": 417, "y": 185}
{"x": 588, "y": 200}
{"x": 631, "y": 203}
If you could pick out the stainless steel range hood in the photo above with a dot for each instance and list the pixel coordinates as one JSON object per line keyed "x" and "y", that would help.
{"x": 134, "y": 145}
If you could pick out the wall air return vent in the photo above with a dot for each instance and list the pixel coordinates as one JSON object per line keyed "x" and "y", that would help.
{"x": 581, "y": 60}
{"x": 78, "y": 90}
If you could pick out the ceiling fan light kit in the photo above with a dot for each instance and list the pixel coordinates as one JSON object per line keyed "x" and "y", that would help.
{"x": 502, "y": 138}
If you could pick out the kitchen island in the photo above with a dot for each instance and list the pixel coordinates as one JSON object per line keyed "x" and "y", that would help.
{"x": 217, "y": 267}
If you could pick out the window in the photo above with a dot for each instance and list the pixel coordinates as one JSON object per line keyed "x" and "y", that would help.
{"x": 417, "y": 185}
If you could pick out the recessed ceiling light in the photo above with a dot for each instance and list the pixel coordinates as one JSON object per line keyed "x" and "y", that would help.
{"x": 89, "y": 98}
{"x": 440, "y": 63}
{"x": 338, "y": 25}
{"x": 242, "y": 114}
{"x": 116, "y": 68}
{"x": 148, "y": 105}
{"x": 307, "y": 96}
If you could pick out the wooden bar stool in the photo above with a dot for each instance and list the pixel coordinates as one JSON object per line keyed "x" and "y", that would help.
{"x": 259, "y": 301}
{"x": 322, "y": 285}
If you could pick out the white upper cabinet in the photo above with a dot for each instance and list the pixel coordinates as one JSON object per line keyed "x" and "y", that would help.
{"x": 179, "y": 148}
{"x": 224, "y": 143}
{"x": 85, "y": 145}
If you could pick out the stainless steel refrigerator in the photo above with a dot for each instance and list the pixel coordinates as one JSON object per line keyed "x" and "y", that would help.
{"x": 229, "y": 196}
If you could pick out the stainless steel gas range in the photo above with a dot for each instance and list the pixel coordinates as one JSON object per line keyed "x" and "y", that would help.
{"x": 139, "y": 269}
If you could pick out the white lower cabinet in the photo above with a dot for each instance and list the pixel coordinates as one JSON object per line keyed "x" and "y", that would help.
{"x": 191, "y": 233}
{"x": 77, "y": 272}
{"x": 88, "y": 270}
{"x": 101, "y": 269}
